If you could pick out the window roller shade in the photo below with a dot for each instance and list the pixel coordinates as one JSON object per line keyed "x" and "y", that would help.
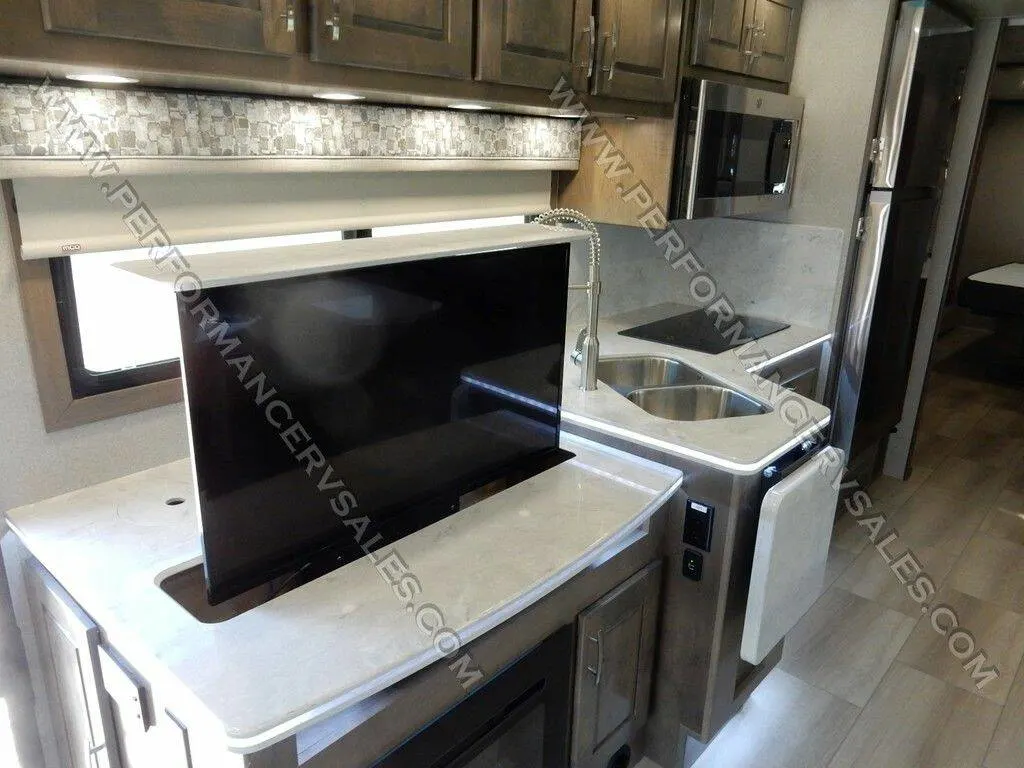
{"x": 60, "y": 217}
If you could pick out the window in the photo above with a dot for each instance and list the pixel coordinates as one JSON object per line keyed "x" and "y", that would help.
{"x": 121, "y": 330}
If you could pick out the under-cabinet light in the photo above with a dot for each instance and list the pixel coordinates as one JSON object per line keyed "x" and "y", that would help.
{"x": 469, "y": 107}
{"x": 338, "y": 96}
{"x": 102, "y": 77}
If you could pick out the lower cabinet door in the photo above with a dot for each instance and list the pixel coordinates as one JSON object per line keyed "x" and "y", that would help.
{"x": 614, "y": 664}
{"x": 68, "y": 650}
{"x": 147, "y": 735}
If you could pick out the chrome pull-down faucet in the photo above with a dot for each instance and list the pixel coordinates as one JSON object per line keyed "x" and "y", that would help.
{"x": 587, "y": 349}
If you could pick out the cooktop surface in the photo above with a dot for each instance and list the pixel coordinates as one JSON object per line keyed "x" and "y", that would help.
{"x": 696, "y": 330}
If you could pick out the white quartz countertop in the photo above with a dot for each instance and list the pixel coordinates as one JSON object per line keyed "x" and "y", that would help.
{"x": 321, "y": 648}
{"x": 743, "y": 444}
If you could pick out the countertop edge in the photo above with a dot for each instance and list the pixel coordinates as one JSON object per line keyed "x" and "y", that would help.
{"x": 597, "y": 553}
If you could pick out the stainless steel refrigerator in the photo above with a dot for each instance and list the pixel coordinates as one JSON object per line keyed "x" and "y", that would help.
{"x": 930, "y": 52}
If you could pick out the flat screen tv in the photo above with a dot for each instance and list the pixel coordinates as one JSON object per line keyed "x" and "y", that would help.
{"x": 330, "y": 415}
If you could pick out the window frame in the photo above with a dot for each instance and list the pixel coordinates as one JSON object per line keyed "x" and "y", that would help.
{"x": 83, "y": 381}
{"x": 61, "y": 409}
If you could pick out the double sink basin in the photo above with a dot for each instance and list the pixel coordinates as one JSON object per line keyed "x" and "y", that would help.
{"x": 672, "y": 390}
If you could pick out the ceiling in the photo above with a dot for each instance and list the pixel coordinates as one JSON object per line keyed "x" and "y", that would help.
{"x": 987, "y": 9}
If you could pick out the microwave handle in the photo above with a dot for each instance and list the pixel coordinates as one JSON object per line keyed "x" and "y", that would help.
{"x": 772, "y": 147}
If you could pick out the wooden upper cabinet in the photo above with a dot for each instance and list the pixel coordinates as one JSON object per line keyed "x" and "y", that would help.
{"x": 254, "y": 26}
{"x": 535, "y": 42}
{"x": 775, "y": 24}
{"x": 722, "y": 34}
{"x": 748, "y": 37}
{"x": 638, "y": 49}
{"x": 430, "y": 37}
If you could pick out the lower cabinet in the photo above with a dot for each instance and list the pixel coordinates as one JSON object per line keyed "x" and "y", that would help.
{"x": 68, "y": 643}
{"x": 100, "y": 712}
{"x": 614, "y": 665}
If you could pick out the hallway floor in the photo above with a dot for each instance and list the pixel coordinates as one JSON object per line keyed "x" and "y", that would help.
{"x": 865, "y": 680}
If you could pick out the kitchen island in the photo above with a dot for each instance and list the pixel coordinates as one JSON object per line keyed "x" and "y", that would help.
{"x": 244, "y": 687}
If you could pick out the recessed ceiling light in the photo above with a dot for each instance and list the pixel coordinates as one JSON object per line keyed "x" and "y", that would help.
{"x": 469, "y": 107}
{"x": 339, "y": 96}
{"x": 102, "y": 77}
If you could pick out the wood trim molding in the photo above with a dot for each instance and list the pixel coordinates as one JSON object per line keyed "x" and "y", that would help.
{"x": 39, "y": 306}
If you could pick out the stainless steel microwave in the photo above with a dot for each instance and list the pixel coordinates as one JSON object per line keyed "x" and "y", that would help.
{"x": 735, "y": 150}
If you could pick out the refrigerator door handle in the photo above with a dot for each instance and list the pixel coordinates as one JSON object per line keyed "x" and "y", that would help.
{"x": 858, "y": 327}
{"x": 896, "y": 101}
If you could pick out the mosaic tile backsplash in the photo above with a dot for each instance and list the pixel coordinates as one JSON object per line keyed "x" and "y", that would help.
{"x": 136, "y": 123}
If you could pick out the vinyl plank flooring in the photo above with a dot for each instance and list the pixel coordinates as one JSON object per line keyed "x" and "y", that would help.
{"x": 1016, "y": 481}
{"x": 1003, "y": 419}
{"x": 1006, "y": 518}
{"x": 1007, "y": 748}
{"x": 960, "y": 421}
{"x": 932, "y": 449}
{"x": 992, "y": 449}
{"x": 888, "y": 493}
{"x": 965, "y": 478}
{"x": 785, "y": 723}
{"x": 847, "y": 535}
{"x": 845, "y": 644}
{"x": 996, "y": 632}
{"x": 872, "y": 578}
{"x": 935, "y": 518}
{"x": 838, "y": 561}
{"x": 993, "y": 570}
{"x": 917, "y": 721}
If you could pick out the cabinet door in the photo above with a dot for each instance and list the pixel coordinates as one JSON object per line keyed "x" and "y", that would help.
{"x": 614, "y": 661}
{"x": 775, "y": 24}
{"x": 256, "y": 26}
{"x": 535, "y": 42}
{"x": 431, "y": 37}
{"x": 638, "y": 49}
{"x": 68, "y": 643}
{"x": 146, "y": 737}
{"x": 723, "y": 34}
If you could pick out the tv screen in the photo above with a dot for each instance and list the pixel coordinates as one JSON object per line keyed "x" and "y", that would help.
{"x": 332, "y": 414}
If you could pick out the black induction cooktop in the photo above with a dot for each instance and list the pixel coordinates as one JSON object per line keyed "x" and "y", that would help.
{"x": 696, "y": 330}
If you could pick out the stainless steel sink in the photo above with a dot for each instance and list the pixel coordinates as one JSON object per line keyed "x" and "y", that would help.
{"x": 628, "y": 374}
{"x": 673, "y": 390}
{"x": 695, "y": 402}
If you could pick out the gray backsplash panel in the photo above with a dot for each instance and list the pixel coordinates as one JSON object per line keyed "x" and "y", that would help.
{"x": 782, "y": 271}
{"x": 137, "y": 123}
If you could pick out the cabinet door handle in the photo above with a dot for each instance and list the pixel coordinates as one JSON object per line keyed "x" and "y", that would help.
{"x": 755, "y": 31}
{"x": 596, "y": 671}
{"x": 333, "y": 21}
{"x": 94, "y": 754}
{"x": 590, "y": 34}
{"x": 610, "y": 69}
{"x": 288, "y": 17}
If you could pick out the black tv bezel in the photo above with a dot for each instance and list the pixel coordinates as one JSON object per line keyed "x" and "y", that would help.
{"x": 310, "y": 560}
